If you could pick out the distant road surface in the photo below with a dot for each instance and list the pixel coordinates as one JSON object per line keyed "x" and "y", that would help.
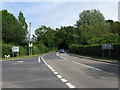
{"x": 56, "y": 70}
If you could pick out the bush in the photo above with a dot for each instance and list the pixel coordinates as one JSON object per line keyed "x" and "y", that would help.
{"x": 35, "y": 50}
{"x": 7, "y": 50}
{"x": 22, "y": 51}
{"x": 39, "y": 49}
{"x": 95, "y": 50}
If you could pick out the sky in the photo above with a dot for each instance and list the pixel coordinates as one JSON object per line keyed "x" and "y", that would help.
{"x": 57, "y": 14}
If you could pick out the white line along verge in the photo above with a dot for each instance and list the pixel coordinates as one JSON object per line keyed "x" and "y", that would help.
{"x": 70, "y": 85}
{"x": 59, "y": 76}
{"x": 86, "y": 66}
{"x": 63, "y": 80}
{"x": 39, "y": 59}
{"x": 55, "y": 72}
{"x": 57, "y": 54}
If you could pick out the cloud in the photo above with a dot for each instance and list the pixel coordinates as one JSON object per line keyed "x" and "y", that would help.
{"x": 56, "y": 14}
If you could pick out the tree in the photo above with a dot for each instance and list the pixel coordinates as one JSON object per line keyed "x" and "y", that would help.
{"x": 22, "y": 21}
{"x": 90, "y": 17}
{"x": 12, "y": 31}
{"x": 46, "y": 35}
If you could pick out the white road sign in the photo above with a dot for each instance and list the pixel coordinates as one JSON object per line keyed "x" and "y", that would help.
{"x": 30, "y": 44}
{"x": 15, "y": 49}
{"x": 107, "y": 46}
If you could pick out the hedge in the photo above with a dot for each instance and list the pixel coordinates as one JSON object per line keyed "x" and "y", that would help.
{"x": 7, "y": 50}
{"x": 95, "y": 50}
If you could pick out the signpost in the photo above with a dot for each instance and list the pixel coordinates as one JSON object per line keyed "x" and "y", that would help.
{"x": 30, "y": 48}
{"x": 15, "y": 49}
{"x": 107, "y": 47}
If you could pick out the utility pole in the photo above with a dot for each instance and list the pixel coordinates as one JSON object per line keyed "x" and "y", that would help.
{"x": 29, "y": 36}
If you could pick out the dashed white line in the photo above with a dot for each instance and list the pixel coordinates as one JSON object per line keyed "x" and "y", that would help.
{"x": 55, "y": 72}
{"x": 63, "y": 80}
{"x": 86, "y": 65}
{"x": 59, "y": 76}
{"x": 70, "y": 85}
{"x": 60, "y": 56}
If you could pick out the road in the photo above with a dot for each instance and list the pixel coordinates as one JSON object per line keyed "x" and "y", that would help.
{"x": 55, "y": 70}
{"x": 29, "y": 73}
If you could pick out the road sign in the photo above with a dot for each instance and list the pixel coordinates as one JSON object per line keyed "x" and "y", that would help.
{"x": 107, "y": 46}
{"x": 30, "y": 44}
{"x": 15, "y": 49}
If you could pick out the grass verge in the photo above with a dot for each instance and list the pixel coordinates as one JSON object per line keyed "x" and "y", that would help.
{"x": 22, "y": 57}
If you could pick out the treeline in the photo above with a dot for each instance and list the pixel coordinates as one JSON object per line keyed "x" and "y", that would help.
{"x": 90, "y": 29}
{"x": 15, "y": 33}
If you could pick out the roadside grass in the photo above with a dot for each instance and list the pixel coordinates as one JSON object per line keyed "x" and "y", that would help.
{"x": 20, "y": 57}
{"x": 23, "y": 57}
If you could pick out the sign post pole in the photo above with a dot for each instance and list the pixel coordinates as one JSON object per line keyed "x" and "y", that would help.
{"x": 15, "y": 49}
{"x": 107, "y": 47}
{"x": 109, "y": 53}
{"x": 103, "y": 53}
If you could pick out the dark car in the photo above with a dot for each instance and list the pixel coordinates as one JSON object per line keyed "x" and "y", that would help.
{"x": 61, "y": 51}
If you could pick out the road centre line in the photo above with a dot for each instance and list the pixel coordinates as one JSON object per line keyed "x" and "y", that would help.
{"x": 86, "y": 66}
{"x": 60, "y": 56}
{"x": 59, "y": 76}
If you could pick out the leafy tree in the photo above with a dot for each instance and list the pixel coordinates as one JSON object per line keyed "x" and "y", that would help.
{"x": 46, "y": 35}
{"x": 12, "y": 31}
{"x": 110, "y": 38}
{"x": 22, "y": 21}
{"x": 90, "y": 17}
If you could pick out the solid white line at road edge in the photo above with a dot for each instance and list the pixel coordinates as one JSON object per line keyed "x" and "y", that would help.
{"x": 86, "y": 65}
{"x": 59, "y": 76}
{"x": 39, "y": 59}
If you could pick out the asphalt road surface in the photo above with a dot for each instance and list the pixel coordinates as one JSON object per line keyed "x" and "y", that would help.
{"x": 55, "y": 70}
{"x": 29, "y": 73}
{"x": 84, "y": 73}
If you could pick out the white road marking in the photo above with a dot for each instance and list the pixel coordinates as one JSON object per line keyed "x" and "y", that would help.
{"x": 51, "y": 68}
{"x": 60, "y": 56}
{"x": 86, "y": 66}
{"x": 101, "y": 61}
{"x": 59, "y": 76}
{"x": 39, "y": 59}
{"x": 57, "y": 54}
{"x": 63, "y": 80}
{"x": 70, "y": 85}
{"x": 55, "y": 72}
{"x": 20, "y": 61}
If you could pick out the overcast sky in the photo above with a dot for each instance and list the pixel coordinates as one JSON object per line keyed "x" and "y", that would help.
{"x": 56, "y": 14}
